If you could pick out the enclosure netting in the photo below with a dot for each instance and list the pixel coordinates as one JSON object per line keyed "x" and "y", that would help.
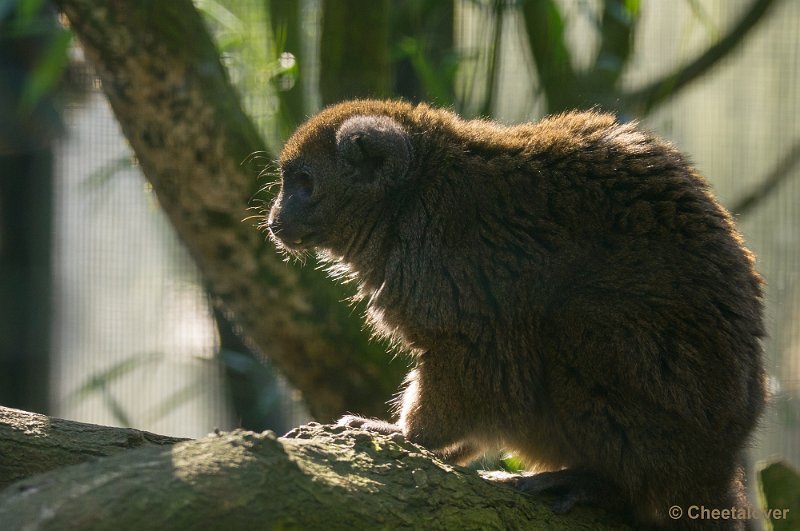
{"x": 134, "y": 340}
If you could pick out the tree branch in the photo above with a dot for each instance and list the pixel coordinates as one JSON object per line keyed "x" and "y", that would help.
{"x": 316, "y": 477}
{"x": 32, "y": 444}
{"x": 646, "y": 99}
{"x": 780, "y": 173}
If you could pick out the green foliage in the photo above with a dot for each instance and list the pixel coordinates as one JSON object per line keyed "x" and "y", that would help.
{"x": 780, "y": 491}
{"x": 26, "y": 12}
{"x": 409, "y": 49}
{"x": 45, "y": 75}
{"x": 230, "y": 34}
{"x": 437, "y": 83}
{"x": 354, "y": 52}
{"x": 104, "y": 173}
{"x": 27, "y": 24}
{"x": 100, "y": 383}
{"x": 284, "y": 67}
{"x": 512, "y": 464}
{"x": 261, "y": 43}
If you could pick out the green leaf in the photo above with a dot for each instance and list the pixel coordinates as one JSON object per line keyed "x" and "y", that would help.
{"x": 103, "y": 174}
{"x": 701, "y": 14}
{"x": 780, "y": 492}
{"x": 512, "y": 464}
{"x": 436, "y": 82}
{"x": 221, "y": 15}
{"x": 47, "y": 72}
{"x": 100, "y": 380}
{"x": 99, "y": 383}
{"x": 27, "y": 10}
{"x": 175, "y": 400}
{"x": 633, "y": 7}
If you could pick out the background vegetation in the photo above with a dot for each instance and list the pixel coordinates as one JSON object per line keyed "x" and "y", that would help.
{"x": 705, "y": 73}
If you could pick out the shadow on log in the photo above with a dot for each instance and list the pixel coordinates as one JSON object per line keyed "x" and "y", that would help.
{"x": 315, "y": 477}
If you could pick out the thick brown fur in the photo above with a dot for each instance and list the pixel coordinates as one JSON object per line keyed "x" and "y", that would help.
{"x": 569, "y": 290}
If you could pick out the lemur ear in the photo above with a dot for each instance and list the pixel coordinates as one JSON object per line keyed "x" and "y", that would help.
{"x": 374, "y": 147}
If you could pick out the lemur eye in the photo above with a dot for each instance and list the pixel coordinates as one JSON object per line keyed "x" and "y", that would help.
{"x": 300, "y": 184}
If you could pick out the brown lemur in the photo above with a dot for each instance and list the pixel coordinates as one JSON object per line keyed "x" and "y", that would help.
{"x": 569, "y": 290}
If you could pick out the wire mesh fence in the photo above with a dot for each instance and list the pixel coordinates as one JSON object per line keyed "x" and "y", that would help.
{"x": 134, "y": 337}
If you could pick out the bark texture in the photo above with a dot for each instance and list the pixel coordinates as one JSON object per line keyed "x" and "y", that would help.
{"x": 31, "y": 444}
{"x": 162, "y": 75}
{"x": 316, "y": 477}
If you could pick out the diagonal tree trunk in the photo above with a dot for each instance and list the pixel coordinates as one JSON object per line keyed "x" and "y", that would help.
{"x": 162, "y": 75}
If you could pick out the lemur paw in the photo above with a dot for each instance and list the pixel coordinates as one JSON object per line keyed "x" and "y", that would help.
{"x": 381, "y": 426}
{"x": 571, "y": 488}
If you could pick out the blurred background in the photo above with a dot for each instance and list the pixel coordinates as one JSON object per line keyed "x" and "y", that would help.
{"x": 104, "y": 317}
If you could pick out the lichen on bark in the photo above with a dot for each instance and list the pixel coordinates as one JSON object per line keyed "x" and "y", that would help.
{"x": 315, "y": 477}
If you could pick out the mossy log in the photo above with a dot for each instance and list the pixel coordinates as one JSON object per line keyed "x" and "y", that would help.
{"x": 315, "y": 477}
